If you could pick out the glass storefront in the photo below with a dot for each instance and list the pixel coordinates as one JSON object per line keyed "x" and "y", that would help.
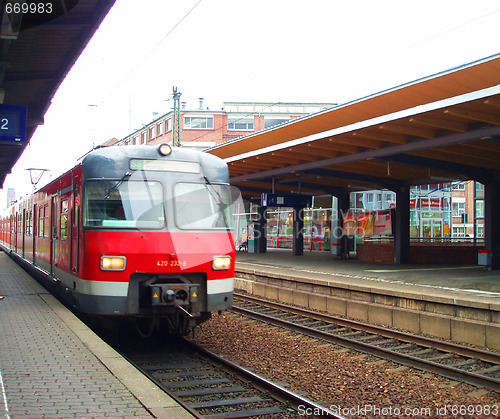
{"x": 368, "y": 219}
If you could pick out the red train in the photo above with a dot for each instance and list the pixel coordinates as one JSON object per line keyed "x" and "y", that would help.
{"x": 140, "y": 232}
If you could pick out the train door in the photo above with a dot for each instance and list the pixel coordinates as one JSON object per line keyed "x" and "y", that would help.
{"x": 12, "y": 238}
{"x": 53, "y": 234}
{"x": 64, "y": 238}
{"x": 23, "y": 232}
{"x": 14, "y": 233}
{"x": 19, "y": 231}
{"x": 75, "y": 226}
{"x": 34, "y": 231}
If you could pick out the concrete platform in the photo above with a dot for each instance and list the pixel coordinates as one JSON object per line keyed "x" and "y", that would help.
{"x": 458, "y": 303}
{"x": 54, "y": 366}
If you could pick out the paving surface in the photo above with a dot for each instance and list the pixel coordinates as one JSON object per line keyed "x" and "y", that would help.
{"x": 53, "y": 366}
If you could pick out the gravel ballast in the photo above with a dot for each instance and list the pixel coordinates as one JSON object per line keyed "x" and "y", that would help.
{"x": 349, "y": 383}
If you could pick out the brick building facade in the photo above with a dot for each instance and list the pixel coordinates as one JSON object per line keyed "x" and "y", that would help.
{"x": 203, "y": 128}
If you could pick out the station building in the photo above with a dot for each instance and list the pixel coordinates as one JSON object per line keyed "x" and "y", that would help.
{"x": 203, "y": 128}
{"x": 453, "y": 210}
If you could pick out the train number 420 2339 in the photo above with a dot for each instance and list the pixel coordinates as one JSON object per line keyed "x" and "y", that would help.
{"x": 177, "y": 263}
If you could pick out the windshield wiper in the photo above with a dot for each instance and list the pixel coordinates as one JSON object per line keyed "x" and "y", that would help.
{"x": 218, "y": 199}
{"x": 117, "y": 185}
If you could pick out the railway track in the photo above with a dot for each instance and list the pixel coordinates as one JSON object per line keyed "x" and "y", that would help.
{"x": 473, "y": 366}
{"x": 209, "y": 386}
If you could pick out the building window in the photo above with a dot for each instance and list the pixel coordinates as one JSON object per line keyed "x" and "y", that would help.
{"x": 198, "y": 122}
{"x": 389, "y": 200}
{"x": 271, "y": 122}
{"x": 458, "y": 231}
{"x": 159, "y": 128}
{"x": 479, "y": 190}
{"x": 151, "y": 133}
{"x": 479, "y": 208}
{"x": 240, "y": 124}
{"x": 143, "y": 137}
{"x": 458, "y": 186}
{"x": 168, "y": 124}
{"x": 458, "y": 208}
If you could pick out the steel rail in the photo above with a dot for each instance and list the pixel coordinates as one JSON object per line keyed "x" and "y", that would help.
{"x": 365, "y": 346}
{"x": 167, "y": 381}
{"x": 278, "y": 392}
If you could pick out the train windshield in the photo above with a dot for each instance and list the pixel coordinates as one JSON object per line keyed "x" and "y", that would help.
{"x": 202, "y": 205}
{"x": 123, "y": 204}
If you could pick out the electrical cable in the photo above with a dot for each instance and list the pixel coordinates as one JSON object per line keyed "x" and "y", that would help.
{"x": 143, "y": 60}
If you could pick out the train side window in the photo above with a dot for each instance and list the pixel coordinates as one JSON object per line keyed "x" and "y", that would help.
{"x": 40, "y": 221}
{"x": 28, "y": 221}
{"x": 46, "y": 220}
{"x": 64, "y": 219}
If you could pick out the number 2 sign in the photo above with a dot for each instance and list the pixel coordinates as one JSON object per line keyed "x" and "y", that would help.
{"x": 12, "y": 123}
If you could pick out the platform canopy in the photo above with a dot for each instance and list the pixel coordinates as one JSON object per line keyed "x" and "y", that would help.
{"x": 37, "y": 50}
{"x": 442, "y": 128}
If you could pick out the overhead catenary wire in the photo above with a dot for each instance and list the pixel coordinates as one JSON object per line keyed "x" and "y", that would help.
{"x": 141, "y": 61}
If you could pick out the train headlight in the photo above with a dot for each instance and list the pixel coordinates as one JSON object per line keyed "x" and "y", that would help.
{"x": 221, "y": 263}
{"x": 113, "y": 263}
{"x": 164, "y": 149}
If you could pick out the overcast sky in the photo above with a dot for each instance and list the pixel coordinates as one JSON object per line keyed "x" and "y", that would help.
{"x": 231, "y": 50}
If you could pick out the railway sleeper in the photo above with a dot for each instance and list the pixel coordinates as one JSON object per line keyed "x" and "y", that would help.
{"x": 208, "y": 391}
{"x": 225, "y": 402}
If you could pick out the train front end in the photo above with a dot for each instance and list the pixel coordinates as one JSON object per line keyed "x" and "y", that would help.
{"x": 157, "y": 239}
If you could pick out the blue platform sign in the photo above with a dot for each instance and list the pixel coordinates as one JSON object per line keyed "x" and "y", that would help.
{"x": 12, "y": 124}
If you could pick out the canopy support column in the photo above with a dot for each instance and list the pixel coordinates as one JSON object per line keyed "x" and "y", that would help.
{"x": 401, "y": 227}
{"x": 298, "y": 232}
{"x": 492, "y": 221}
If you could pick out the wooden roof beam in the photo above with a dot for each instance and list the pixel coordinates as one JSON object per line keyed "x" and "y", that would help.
{"x": 456, "y": 126}
{"x": 489, "y": 118}
{"x": 332, "y": 145}
{"x": 279, "y": 158}
{"x": 409, "y": 130}
{"x": 380, "y": 136}
{"x": 361, "y": 142}
{"x": 493, "y": 101}
{"x": 304, "y": 153}
{"x": 454, "y": 157}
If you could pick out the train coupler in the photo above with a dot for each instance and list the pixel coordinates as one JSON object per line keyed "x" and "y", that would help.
{"x": 180, "y": 295}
